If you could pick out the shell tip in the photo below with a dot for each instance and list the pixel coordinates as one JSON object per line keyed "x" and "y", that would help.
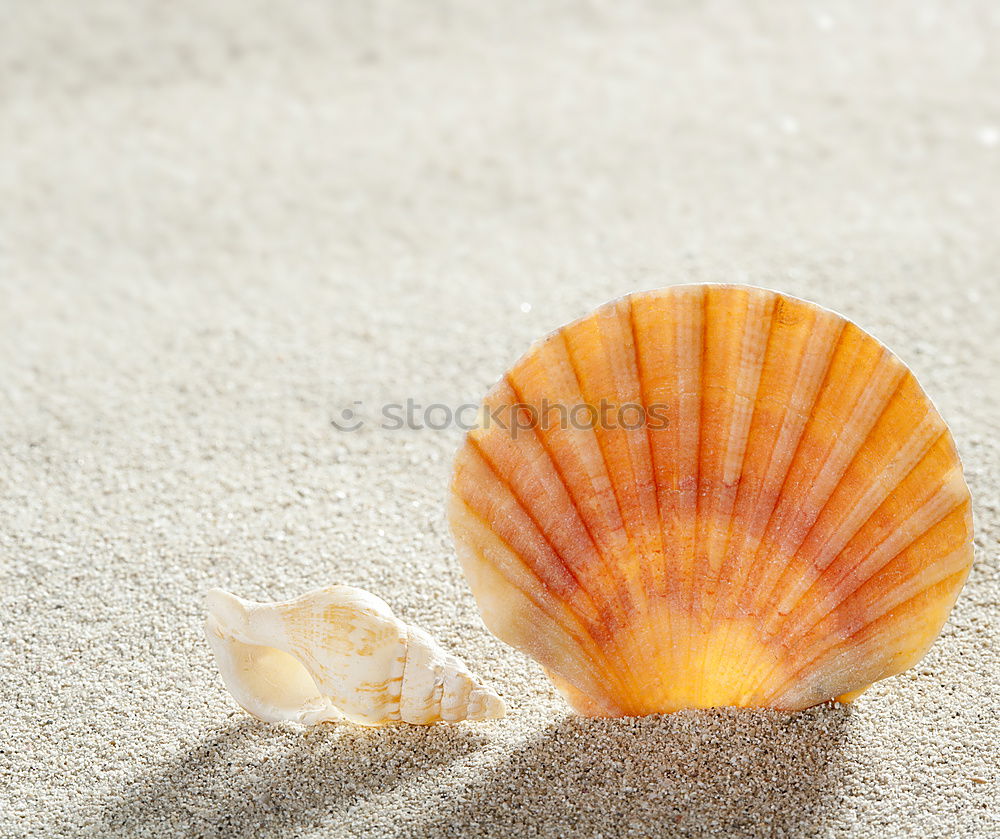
{"x": 484, "y": 704}
{"x": 226, "y": 611}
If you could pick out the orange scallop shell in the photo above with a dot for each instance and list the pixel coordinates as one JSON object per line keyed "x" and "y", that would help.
{"x": 769, "y": 512}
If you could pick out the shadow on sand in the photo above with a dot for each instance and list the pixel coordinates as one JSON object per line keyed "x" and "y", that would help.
{"x": 254, "y": 779}
{"x": 711, "y": 773}
{"x": 715, "y": 773}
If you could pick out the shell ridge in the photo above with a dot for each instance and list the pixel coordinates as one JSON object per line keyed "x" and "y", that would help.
{"x": 777, "y": 506}
{"x": 488, "y": 512}
{"x": 574, "y": 452}
{"x": 789, "y": 510}
{"x": 594, "y": 601}
{"x": 597, "y": 437}
{"x": 649, "y": 441}
{"x": 712, "y": 465}
{"x": 580, "y": 633}
{"x": 641, "y": 382}
{"x": 605, "y": 470}
{"x": 698, "y": 581}
{"x": 838, "y": 538}
{"x": 737, "y": 598}
{"x": 653, "y": 474}
{"x": 779, "y": 517}
{"x": 673, "y": 327}
{"x": 559, "y": 473}
{"x": 801, "y": 633}
{"x": 538, "y": 526}
{"x": 643, "y": 607}
{"x": 801, "y": 630}
{"x": 641, "y": 378}
{"x": 651, "y": 305}
{"x": 734, "y": 591}
{"x": 874, "y": 496}
{"x": 621, "y": 618}
{"x": 947, "y": 573}
{"x": 930, "y": 502}
{"x": 788, "y": 551}
{"x": 794, "y": 627}
{"x": 750, "y": 351}
{"x": 727, "y": 550}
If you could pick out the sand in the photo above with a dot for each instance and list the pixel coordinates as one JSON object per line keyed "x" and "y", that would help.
{"x": 223, "y": 224}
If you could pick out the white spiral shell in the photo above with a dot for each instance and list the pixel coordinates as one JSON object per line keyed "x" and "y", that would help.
{"x": 339, "y": 653}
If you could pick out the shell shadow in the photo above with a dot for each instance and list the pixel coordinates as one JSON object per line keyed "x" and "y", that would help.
{"x": 252, "y": 779}
{"x": 711, "y": 773}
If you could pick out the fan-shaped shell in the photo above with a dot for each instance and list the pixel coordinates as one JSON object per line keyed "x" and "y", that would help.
{"x": 770, "y": 511}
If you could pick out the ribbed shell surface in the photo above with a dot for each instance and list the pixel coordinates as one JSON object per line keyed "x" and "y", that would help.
{"x": 712, "y": 495}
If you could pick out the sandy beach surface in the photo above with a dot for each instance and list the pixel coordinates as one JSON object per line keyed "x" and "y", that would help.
{"x": 224, "y": 224}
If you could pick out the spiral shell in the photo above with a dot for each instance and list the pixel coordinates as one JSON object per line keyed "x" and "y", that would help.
{"x": 787, "y": 524}
{"x": 339, "y": 653}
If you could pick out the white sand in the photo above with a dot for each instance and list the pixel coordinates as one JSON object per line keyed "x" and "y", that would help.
{"x": 221, "y": 223}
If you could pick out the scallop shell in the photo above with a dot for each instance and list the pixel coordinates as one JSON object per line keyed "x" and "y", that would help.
{"x": 770, "y": 512}
{"x": 339, "y": 653}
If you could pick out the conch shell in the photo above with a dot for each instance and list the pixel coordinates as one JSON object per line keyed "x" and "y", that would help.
{"x": 339, "y": 653}
{"x": 764, "y": 508}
